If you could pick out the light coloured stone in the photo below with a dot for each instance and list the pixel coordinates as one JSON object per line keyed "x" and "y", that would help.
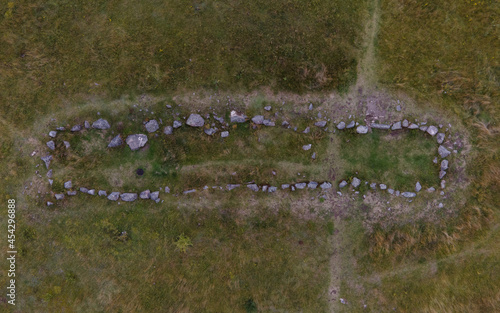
{"x": 320, "y": 124}
{"x": 152, "y": 126}
{"x": 51, "y": 144}
{"x": 342, "y": 184}
{"x": 146, "y": 194}
{"x": 128, "y": 196}
{"x": 440, "y": 138}
{"x": 177, "y": 124}
{"x": 168, "y": 130}
{"x": 115, "y": 142}
{"x": 355, "y": 182}
{"x": 136, "y": 141}
{"x": 300, "y": 185}
{"x": 396, "y": 126}
{"x": 325, "y": 185}
{"x": 52, "y": 133}
{"x": 432, "y": 130}
{"x": 114, "y": 196}
{"x": 306, "y": 147}
{"x": 68, "y": 184}
{"x": 258, "y": 119}
{"x": 408, "y": 194}
{"x": 418, "y": 187}
{"x": 59, "y": 196}
{"x": 362, "y": 129}
{"x": 341, "y": 125}
{"x": 224, "y": 134}
{"x": 443, "y": 152}
{"x": 101, "y": 124}
{"x": 237, "y": 117}
{"x": 253, "y": 187}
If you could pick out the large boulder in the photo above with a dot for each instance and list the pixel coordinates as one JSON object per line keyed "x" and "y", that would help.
{"x": 152, "y": 126}
{"x": 101, "y": 124}
{"x": 128, "y": 196}
{"x": 136, "y": 141}
{"x": 115, "y": 142}
{"x": 195, "y": 120}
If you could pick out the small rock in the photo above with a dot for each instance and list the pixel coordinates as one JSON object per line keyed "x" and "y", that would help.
{"x": 167, "y": 189}
{"x": 51, "y": 181}
{"x": 285, "y": 123}
{"x": 49, "y": 173}
{"x": 66, "y": 144}
{"x": 101, "y": 124}
{"x": 49, "y": 203}
{"x": 258, "y": 119}
{"x": 355, "y": 182}
{"x": 155, "y": 195}
{"x": 76, "y": 128}
{"x": 102, "y": 193}
{"x": 84, "y": 190}
{"x": 405, "y": 123}
{"x": 413, "y": 126}
{"x": 269, "y": 123}
{"x": 128, "y": 196}
{"x": 91, "y": 192}
{"x": 435, "y": 161}
{"x": 238, "y": 117}
{"x": 68, "y": 184}
{"x": 343, "y": 184}
{"x": 71, "y": 193}
{"x": 325, "y": 185}
{"x": 152, "y": 126}
{"x": 267, "y": 108}
{"x": 306, "y": 147}
{"x": 440, "y": 138}
{"x": 232, "y": 186}
{"x": 310, "y": 106}
{"x": 432, "y": 130}
{"x": 442, "y": 174}
{"x": 195, "y": 120}
{"x": 443, "y": 184}
{"x": 253, "y": 187}
{"x": 408, "y": 194}
{"x": 168, "y": 130}
{"x": 115, "y": 142}
{"x": 440, "y": 205}
{"x": 351, "y": 124}
{"x": 396, "y": 126}
{"x": 306, "y": 131}
{"x": 431, "y": 189}
{"x": 373, "y": 185}
{"x": 177, "y": 124}
{"x": 59, "y": 196}
{"x": 86, "y": 124}
{"x": 383, "y": 186}
{"x": 380, "y": 126}
{"x": 51, "y": 145}
{"x": 285, "y": 186}
{"x": 312, "y": 185}
{"x": 146, "y": 194}
{"x": 300, "y": 185}
{"x": 52, "y": 133}
{"x": 444, "y": 165}
{"x": 272, "y": 189}
{"x": 418, "y": 187}
{"x": 391, "y": 191}
{"x": 341, "y": 125}
{"x": 47, "y": 160}
{"x": 424, "y": 128}
{"x": 114, "y": 196}
{"x": 320, "y": 124}
{"x": 313, "y": 156}
{"x": 443, "y": 152}
{"x": 398, "y": 108}
{"x": 210, "y": 131}
{"x": 136, "y": 141}
{"x": 224, "y": 134}
{"x": 362, "y": 129}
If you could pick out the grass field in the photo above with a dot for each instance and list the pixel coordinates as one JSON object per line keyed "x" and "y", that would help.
{"x": 61, "y": 62}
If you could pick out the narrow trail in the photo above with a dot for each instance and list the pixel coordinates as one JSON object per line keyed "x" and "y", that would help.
{"x": 366, "y": 80}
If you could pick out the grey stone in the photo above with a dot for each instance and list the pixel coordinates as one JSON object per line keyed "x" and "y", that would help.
{"x": 189, "y": 191}
{"x": 136, "y": 141}
{"x": 312, "y": 185}
{"x": 68, "y": 184}
{"x": 320, "y": 124}
{"x": 313, "y": 156}
{"x": 168, "y": 130}
{"x": 292, "y": 188}
{"x": 351, "y": 124}
{"x": 51, "y": 181}
{"x": 253, "y": 187}
{"x": 102, "y": 193}
{"x": 431, "y": 189}
{"x": 71, "y": 193}
{"x": 373, "y": 185}
{"x": 114, "y": 196}
{"x": 49, "y": 203}
{"x": 238, "y": 117}
{"x": 300, "y": 185}
{"x": 355, "y": 182}
{"x": 167, "y": 189}
{"x": 444, "y": 165}
{"x": 362, "y": 129}
{"x": 397, "y": 193}
{"x": 66, "y": 144}
{"x": 306, "y": 147}
{"x": 285, "y": 123}
{"x": 325, "y": 185}
{"x": 177, "y": 124}
{"x": 413, "y": 126}
{"x": 306, "y": 131}
{"x": 152, "y": 126}
{"x": 59, "y": 196}
{"x": 258, "y": 119}
{"x": 49, "y": 173}
{"x": 232, "y": 186}
{"x": 91, "y": 192}
{"x": 52, "y": 133}
{"x": 101, "y": 124}
{"x": 210, "y": 131}
{"x": 224, "y": 134}
{"x": 443, "y": 184}
{"x": 267, "y": 108}
{"x": 380, "y": 126}
{"x": 310, "y": 106}
{"x": 391, "y": 191}
{"x": 195, "y": 120}
{"x": 285, "y": 186}
{"x": 264, "y": 188}
{"x": 269, "y": 123}
{"x": 440, "y": 138}
{"x": 84, "y": 190}
{"x": 442, "y": 174}
{"x": 432, "y": 130}
{"x": 76, "y": 128}
{"x": 396, "y": 126}
{"x": 51, "y": 144}
{"x": 272, "y": 189}
{"x": 86, "y": 124}
{"x": 423, "y": 128}
{"x": 398, "y": 108}
{"x": 435, "y": 161}
{"x": 383, "y": 186}
{"x": 128, "y": 196}
{"x": 155, "y": 195}
{"x": 341, "y": 125}
{"x": 443, "y": 152}
{"x": 343, "y": 184}
{"x": 61, "y": 128}
{"x": 115, "y": 142}
{"x": 418, "y": 187}
{"x": 405, "y": 123}
{"x": 47, "y": 160}
{"x": 408, "y": 194}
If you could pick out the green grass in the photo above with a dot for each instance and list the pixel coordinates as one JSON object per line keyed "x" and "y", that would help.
{"x": 63, "y": 51}
{"x": 398, "y": 160}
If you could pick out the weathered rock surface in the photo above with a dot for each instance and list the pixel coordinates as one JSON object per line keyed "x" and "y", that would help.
{"x": 136, "y": 141}
{"x": 128, "y": 196}
{"x": 52, "y": 133}
{"x": 168, "y": 130}
{"x": 155, "y": 195}
{"x": 396, "y": 126}
{"x": 59, "y": 196}
{"x": 272, "y": 189}
{"x": 306, "y": 147}
{"x": 253, "y": 187}
{"x": 432, "y": 130}
{"x": 444, "y": 165}
{"x": 258, "y": 119}
{"x": 341, "y": 125}
{"x": 152, "y": 126}
{"x": 408, "y": 194}
{"x": 443, "y": 152}
{"x": 224, "y": 134}
{"x": 320, "y": 124}
{"x": 115, "y": 142}
{"x": 405, "y": 123}
{"x": 440, "y": 138}
{"x": 47, "y": 160}
{"x": 238, "y": 117}
{"x": 102, "y": 193}
{"x": 343, "y": 184}
{"x": 145, "y": 194}
{"x": 76, "y": 128}
{"x": 210, "y": 131}
{"x": 351, "y": 124}
{"x": 51, "y": 144}
{"x": 312, "y": 185}
{"x": 101, "y": 124}
{"x": 300, "y": 185}
{"x": 418, "y": 187}
{"x": 114, "y": 196}
{"x": 355, "y": 182}
{"x": 68, "y": 184}
{"x": 177, "y": 124}
{"x": 362, "y": 129}
{"x": 380, "y": 126}
{"x": 195, "y": 120}
{"x": 325, "y": 185}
